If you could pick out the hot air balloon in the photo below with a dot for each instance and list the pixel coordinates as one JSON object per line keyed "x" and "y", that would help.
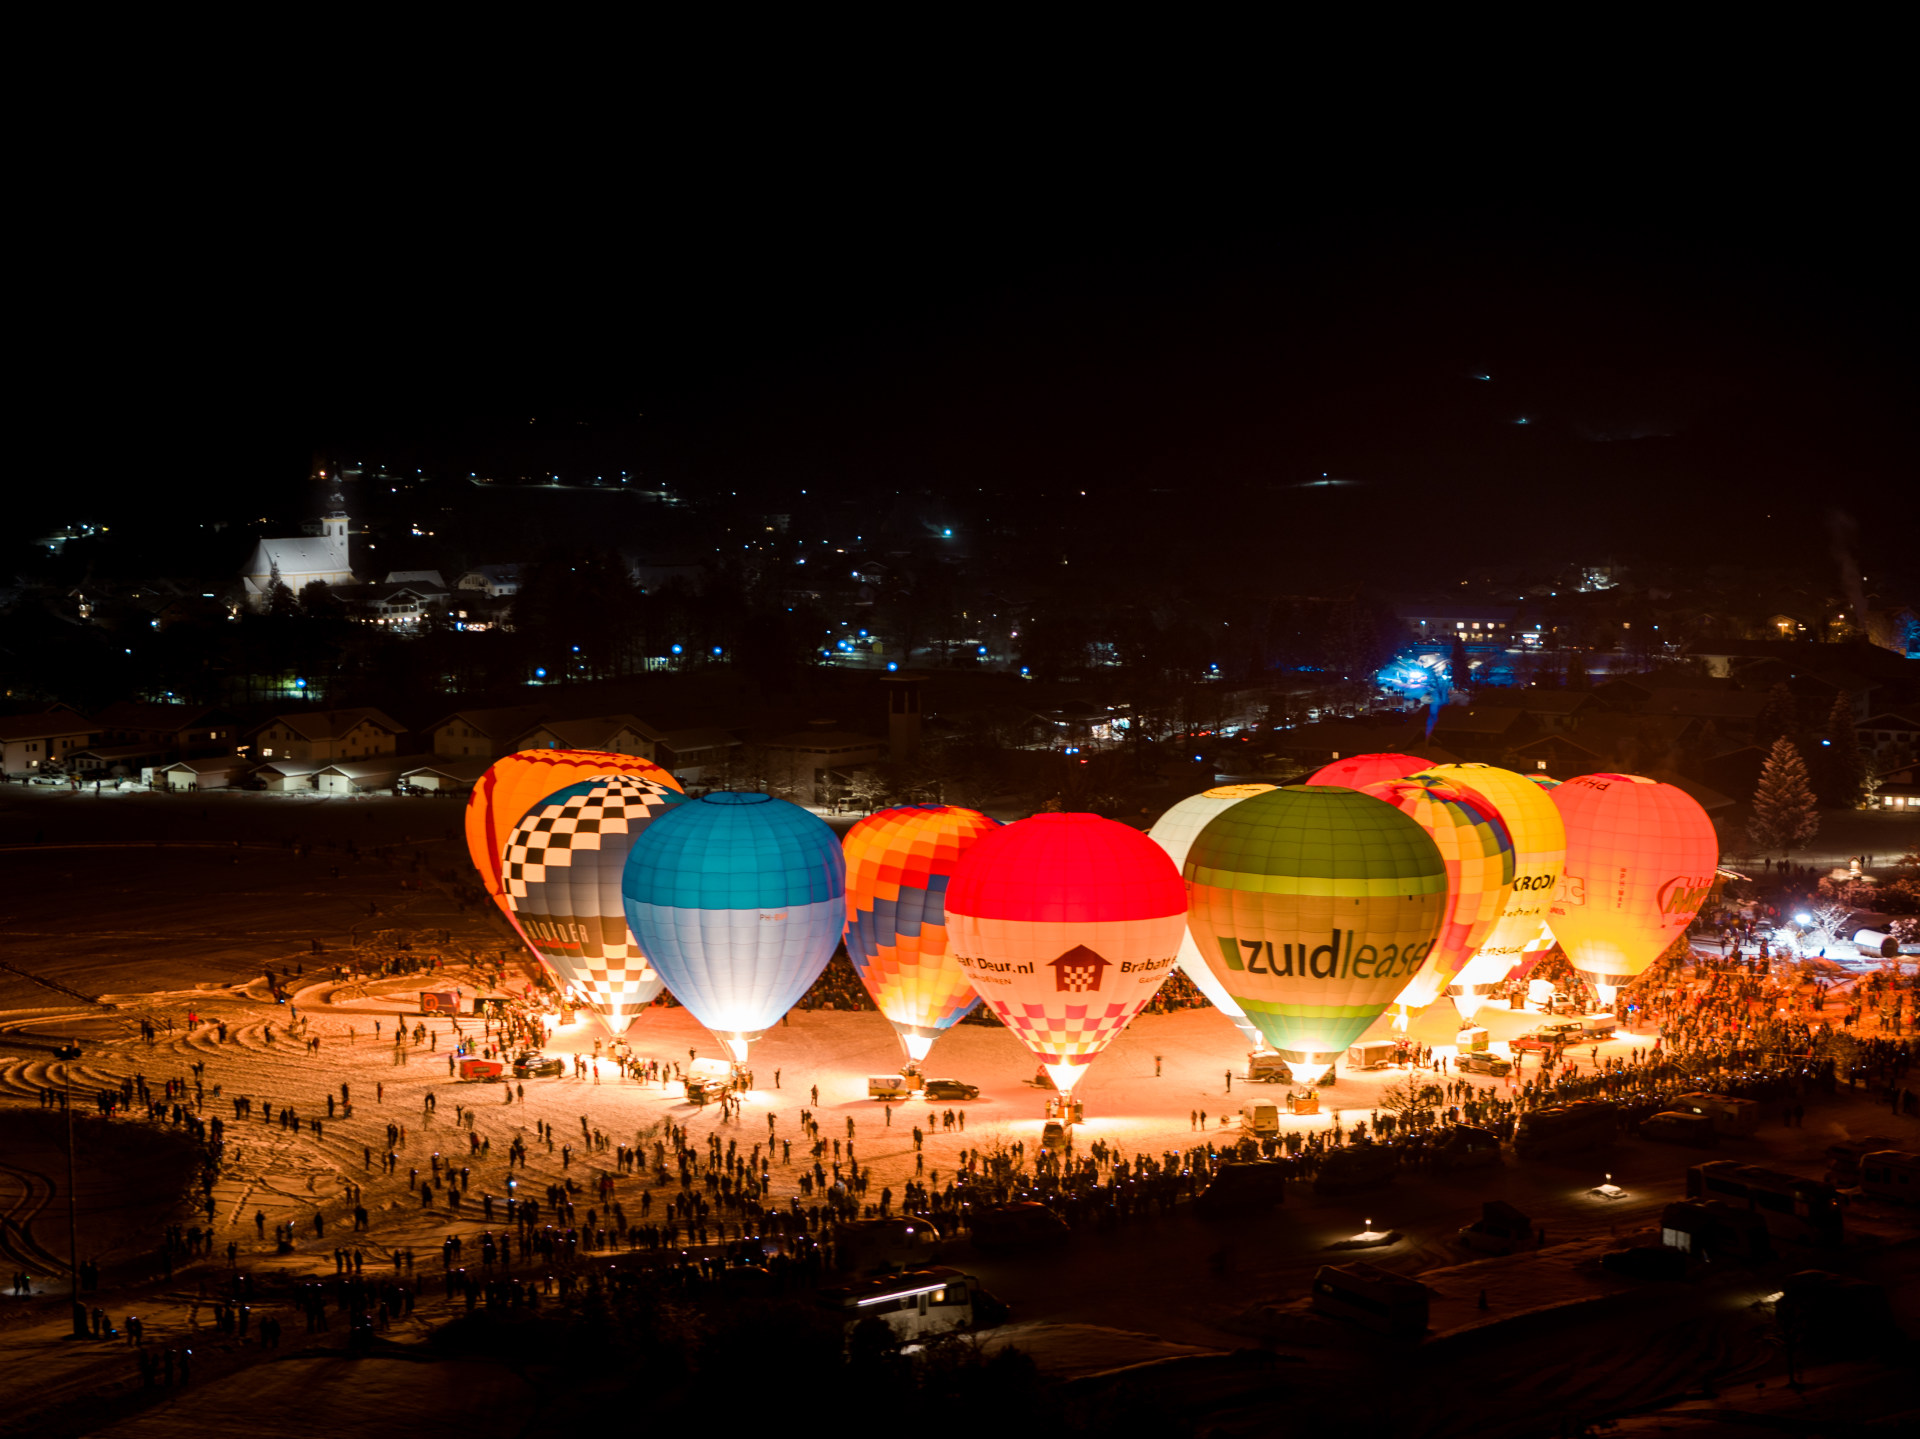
{"x": 560, "y": 876}
{"x": 1314, "y": 906}
{"x": 1539, "y": 848}
{"x": 1360, "y": 770}
{"x": 1478, "y": 854}
{"x": 512, "y": 784}
{"x": 1067, "y": 924}
{"x": 899, "y": 862}
{"x": 1641, "y": 859}
{"x": 739, "y": 899}
{"x": 1174, "y": 832}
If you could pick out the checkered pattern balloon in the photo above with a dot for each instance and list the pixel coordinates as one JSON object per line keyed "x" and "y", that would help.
{"x": 1067, "y": 924}
{"x": 515, "y": 783}
{"x": 899, "y": 863}
{"x": 1478, "y": 854}
{"x": 560, "y": 875}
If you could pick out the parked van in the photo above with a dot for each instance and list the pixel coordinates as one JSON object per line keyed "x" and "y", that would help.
{"x": 1266, "y": 1067}
{"x": 1681, "y": 1127}
{"x": 1260, "y": 1118}
{"x": 1729, "y": 1115}
{"x": 889, "y": 1086}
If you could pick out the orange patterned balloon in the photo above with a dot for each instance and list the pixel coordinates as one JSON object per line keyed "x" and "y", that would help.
{"x": 1641, "y": 858}
{"x": 898, "y": 865}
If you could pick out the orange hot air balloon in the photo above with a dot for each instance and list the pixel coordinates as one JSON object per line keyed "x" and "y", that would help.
{"x": 899, "y": 863}
{"x": 1067, "y": 924}
{"x": 1360, "y": 770}
{"x": 513, "y": 785}
{"x": 1641, "y": 858}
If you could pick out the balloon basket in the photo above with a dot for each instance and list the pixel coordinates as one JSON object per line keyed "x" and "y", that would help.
{"x": 1066, "y": 1109}
{"x": 1304, "y": 1101}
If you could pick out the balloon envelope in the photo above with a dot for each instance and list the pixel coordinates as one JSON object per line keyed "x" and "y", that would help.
{"x": 899, "y": 863}
{"x": 1360, "y": 770}
{"x": 1067, "y": 924}
{"x": 560, "y": 877}
{"x": 1641, "y": 858}
{"x": 739, "y": 899}
{"x": 513, "y": 783}
{"x": 1174, "y": 832}
{"x": 1478, "y": 854}
{"x": 1539, "y": 851}
{"x": 1314, "y": 906}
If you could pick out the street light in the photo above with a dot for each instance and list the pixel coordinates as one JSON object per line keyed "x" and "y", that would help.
{"x": 69, "y": 1053}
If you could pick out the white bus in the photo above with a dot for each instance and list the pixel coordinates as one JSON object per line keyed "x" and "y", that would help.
{"x": 918, "y": 1303}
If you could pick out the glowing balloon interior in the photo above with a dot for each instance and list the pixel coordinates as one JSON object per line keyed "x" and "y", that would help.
{"x": 560, "y": 874}
{"x": 1067, "y": 924}
{"x": 739, "y": 900}
{"x": 1314, "y": 906}
{"x": 899, "y": 864}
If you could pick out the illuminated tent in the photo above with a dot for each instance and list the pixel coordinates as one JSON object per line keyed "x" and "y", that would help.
{"x": 1067, "y": 924}
{"x": 739, "y": 899}
{"x": 515, "y": 783}
{"x": 1360, "y": 770}
{"x": 1641, "y": 859}
{"x": 1314, "y": 906}
{"x": 899, "y": 863}
{"x": 1539, "y": 849}
{"x": 1174, "y": 832}
{"x": 1478, "y": 854}
{"x": 560, "y": 876}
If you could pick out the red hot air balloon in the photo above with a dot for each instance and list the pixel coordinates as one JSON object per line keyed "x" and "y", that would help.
{"x": 1360, "y": 770}
{"x": 1067, "y": 924}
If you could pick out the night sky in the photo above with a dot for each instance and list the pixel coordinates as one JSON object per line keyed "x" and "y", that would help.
{"x": 1694, "y": 376}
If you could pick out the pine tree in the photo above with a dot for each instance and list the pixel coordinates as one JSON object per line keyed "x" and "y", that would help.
{"x": 1785, "y": 815}
{"x": 1843, "y": 768}
{"x": 1459, "y": 665}
{"x": 1780, "y": 715}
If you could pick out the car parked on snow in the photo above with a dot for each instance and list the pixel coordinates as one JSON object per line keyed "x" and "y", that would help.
{"x": 950, "y": 1089}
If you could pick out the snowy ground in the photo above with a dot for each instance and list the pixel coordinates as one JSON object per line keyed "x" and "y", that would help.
{"x": 155, "y": 931}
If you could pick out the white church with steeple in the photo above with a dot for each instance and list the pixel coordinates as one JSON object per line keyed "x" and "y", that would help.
{"x": 299, "y": 562}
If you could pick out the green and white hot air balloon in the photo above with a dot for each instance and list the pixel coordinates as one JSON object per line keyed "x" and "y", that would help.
{"x": 1314, "y": 905}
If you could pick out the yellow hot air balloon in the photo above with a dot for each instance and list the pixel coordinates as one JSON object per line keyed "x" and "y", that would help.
{"x": 1641, "y": 860}
{"x": 1539, "y": 850}
{"x": 1314, "y": 906}
{"x": 1478, "y": 853}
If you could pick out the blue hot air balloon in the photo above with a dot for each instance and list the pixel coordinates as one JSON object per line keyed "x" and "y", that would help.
{"x": 560, "y": 876}
{"x": 739, "y": 900}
